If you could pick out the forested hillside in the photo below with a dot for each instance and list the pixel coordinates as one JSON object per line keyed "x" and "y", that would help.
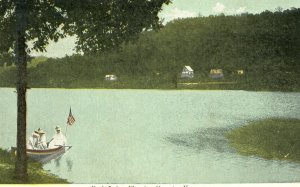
{"x": 266, "y": 46}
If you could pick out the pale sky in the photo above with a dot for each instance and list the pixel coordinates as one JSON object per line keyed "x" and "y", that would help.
{"x": 188, "y": 8}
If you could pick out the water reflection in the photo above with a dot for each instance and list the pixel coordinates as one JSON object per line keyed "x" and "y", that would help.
{"x": 57, "y": 162}
{"x": 69, "y": 164}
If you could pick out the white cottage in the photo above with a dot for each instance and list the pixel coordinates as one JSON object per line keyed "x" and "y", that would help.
{"x": 111, "y": 77}
{"x": 187, "y": 72}
{"x": 216, "y": 73}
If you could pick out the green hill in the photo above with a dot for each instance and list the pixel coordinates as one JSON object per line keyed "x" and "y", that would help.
{"x": 265, "y": 46}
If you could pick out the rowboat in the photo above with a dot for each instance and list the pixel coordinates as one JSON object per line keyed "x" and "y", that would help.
{"x": 45, "y": 155}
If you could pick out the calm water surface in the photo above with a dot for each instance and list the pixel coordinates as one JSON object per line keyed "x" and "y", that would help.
{"x": 152, "y": 136}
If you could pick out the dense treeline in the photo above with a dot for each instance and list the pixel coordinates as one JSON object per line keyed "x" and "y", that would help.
{"x": 266, "y": 46}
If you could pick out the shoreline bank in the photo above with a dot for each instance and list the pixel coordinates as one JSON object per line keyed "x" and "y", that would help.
{"x": 36, "y": 173}
{"x": 273, "y": 139}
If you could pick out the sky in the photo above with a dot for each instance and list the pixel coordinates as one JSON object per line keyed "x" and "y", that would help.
{"x": 187, "y": 8}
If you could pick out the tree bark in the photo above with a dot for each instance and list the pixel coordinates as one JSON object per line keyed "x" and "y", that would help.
{"x": 21, "y": 161}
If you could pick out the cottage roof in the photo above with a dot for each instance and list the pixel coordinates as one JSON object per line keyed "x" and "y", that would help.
{"x": 110, "y": 75}
{"x": 189, "y": 68}
{"x": 213, "y": 71}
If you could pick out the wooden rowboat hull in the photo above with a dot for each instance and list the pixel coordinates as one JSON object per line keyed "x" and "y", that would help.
{"x": 45, "y": 155}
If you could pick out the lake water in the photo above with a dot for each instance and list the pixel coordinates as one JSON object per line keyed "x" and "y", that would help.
{"x": 153, "y": 136}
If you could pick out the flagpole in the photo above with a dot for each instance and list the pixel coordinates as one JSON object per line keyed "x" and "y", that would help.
{"x": 66, "y": 130}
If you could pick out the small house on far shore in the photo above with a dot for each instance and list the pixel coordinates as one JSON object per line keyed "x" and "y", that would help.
{"x": 110, "y": 78}
{"x": 187, "y": 72}
{"x": 240, "y": 72}
{"x": 216, "y": 73}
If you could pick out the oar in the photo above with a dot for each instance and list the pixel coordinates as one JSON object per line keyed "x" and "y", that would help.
{"x": 68, "y": 147}
{"x": 64, "y": 146}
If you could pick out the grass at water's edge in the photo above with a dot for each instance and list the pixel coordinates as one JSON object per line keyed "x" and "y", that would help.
{"x": 275, "y": 138}
{"x": 37, "y": 175}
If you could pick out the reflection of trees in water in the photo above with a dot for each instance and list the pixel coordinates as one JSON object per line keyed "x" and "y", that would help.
{"x": 69, "y": 164}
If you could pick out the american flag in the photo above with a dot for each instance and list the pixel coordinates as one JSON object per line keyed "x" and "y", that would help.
{"x": 71, "y": 119}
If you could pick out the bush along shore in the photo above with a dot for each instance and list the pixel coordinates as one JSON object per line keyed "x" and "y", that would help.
{"x": 37, "y": 175}
{"x": 276, "y": 139}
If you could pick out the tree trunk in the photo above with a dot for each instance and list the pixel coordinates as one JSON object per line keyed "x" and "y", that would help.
{"x": 21, "y": 162}
{"x": 175, "y": 80}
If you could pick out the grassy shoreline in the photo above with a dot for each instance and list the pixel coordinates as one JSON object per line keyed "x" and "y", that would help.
{"x": 199, "y": 87}
{"x": 37, "y": 175}
{"x": 275, "y": 138}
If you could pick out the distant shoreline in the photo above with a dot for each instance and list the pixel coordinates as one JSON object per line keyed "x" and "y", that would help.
{"x": 255, "y": 52}
{"x": 159, "y": 89}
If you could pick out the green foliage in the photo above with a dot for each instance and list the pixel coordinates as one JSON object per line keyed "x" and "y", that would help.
{"x": 98, "y": 25}
{"x": 265, "y": 46}
{"x": 102, "y": 25}
{"x": 36, "y": 60}
{"x": 36, "y": 173}
{"x": 270, "y": 138}
{"x": 6, "y": 58}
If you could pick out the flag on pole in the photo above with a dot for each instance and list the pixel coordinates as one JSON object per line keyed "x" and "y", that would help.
{"x": 71, "y": 119}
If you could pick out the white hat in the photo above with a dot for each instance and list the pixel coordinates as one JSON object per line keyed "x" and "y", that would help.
{"x": 39, "y": 131}
{"x": 57, "y": 128}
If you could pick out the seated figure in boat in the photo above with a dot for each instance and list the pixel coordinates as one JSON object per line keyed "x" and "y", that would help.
{"x": 37, "y": 140}
{"x": 42, "y": 141}
{"x": 58, "y": 139}
{"x": 32, "y": 141}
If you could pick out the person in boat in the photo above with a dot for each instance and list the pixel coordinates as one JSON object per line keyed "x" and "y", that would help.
{"x": 58, "y": 139}
{"x": 42, "y": 140}
{"x": 33, "y": 141}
